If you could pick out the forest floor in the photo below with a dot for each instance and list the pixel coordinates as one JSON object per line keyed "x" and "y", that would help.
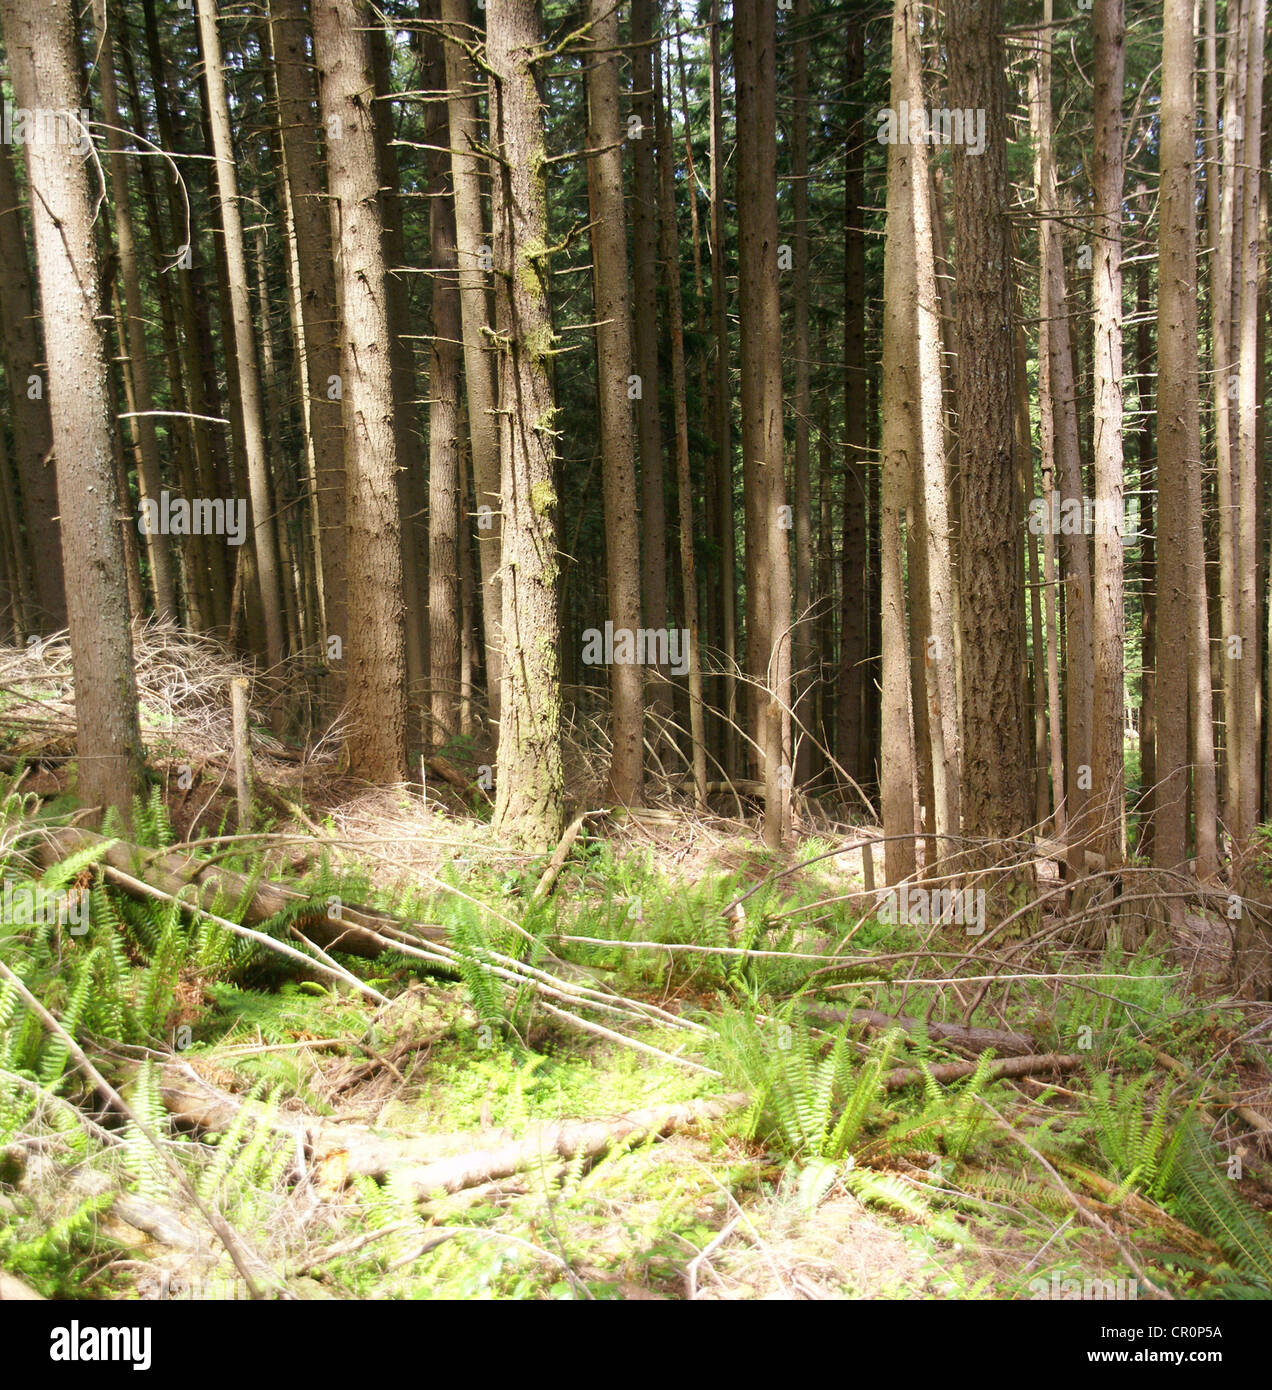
{"x": 665, "y": 1065}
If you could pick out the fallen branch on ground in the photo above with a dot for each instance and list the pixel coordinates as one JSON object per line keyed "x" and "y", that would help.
{"x": 955, "y": 1071}
{"x": 957, "y": 1034}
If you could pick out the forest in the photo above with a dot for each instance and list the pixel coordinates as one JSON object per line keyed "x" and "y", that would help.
{"x": 634, "y": 651}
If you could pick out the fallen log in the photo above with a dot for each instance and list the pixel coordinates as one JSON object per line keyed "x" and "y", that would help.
{"x": 957, "y": 1034}
{"x": 162, "y": 1223}
{"x": 430, "y": 1163}
{"x": 955, "y": 1071}
{"x": 565, "y": 1140}
{"x": 347, "y": 927}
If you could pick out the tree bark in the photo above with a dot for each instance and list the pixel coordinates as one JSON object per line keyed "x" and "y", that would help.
{"x": 39, "y": 41}
{"x": 802, "y": 400}
{"x": 1108, "y": 629}
{"x": 467, "y": 168}
{"x": 376, "y": 648}
{"x": 265, "y": 544}
{"x": 1178, "y": 429}
{"x": 899, "y": 450}
{"x": 444, "y": 421}
{"x": 769, "y": 621}
{"x": 613, "y": 366}
{"x": 684, "y": 485}
{"x": 995, "y": 798}
{"x": 132, "y": 332}
{"x": 320, "y": 323}
{"x": 721, "y": 419}
{"x": 29, "y": 409}
{"x": 1079, "y": 669}
{"x": 644, "y": 217}
{"x": 851, "y": 725}
{"x": 530, "y": 803}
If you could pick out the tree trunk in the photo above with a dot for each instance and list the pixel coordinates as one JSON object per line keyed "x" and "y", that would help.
{"x": 755, "y": 42}
{"x": 1145, "y": 386}
{"x": 684, "y": 486}
{"x": 721, "y": 420}
{"x": 1248, "y": 409}
{"x": 376, "y": 648}
{"x": 444, "y": 421}
{"x": 995, "y": 797}
{"x": 467, "y": 168}
{"x": 39, "y": 41}
{"x": 802, "y": 403}
{"x": 1178, "y": 430}
{"x": 851, "y": 734}
{"x": 613, "y": 367}
{"x": 29, "y": 410}
{"x": 530, "y": 804}
{"x": 132, "y": 333}
{"x": 1108, "y": 629}
{"x": 266, "y": 547}
{"x": 409, "y": 476}
{"x": 937, "y": 636}
{"x": 1079, "y": 670}
{"x": 644, "y": 215}
{"x": 899, "y": 450}
{"x": 320, "y": 322}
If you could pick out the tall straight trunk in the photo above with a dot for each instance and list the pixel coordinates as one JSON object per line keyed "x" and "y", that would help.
{"x": 530, "y": 802}
{"x": 127, "y": 514}
{"x": 944, "y": 275}
{"x": 1108, "y": 629}
{"x": 445, "y": 420}
{"x": 376, "y": 647}
{"x": 899, "y": 450}
{"x": 307, "y": 555}
{"x": 411, "y": 482}
{"x": 132, "y": 336}
{"x": 755, "y": 44}
{"x": 273, "y": 418}
{"x": 194, "y": 554}
{"x": 1178, "y": 429}
{"x": 1145, "y": 385}
{"x": 802, "y": 403}
{"x": 721, "y": 417}
{"x": 1222, "y": 180}
{"x": 39, "y": 42}
{"x": 1203, "y": 790}
{"x": 644, "y": 216}
{"x": 851, "y": 736}
{"x": 19, "y": 602}
{"x": 613, "y": 367}
{"x": 198, "y": 361}
{"x": 995, "y": 793}
{"x": 21, "y": 353}
{"x": 467, "y": 169}
{"x": 710, "y": 619}
{"x": 1248, "y": 407}
{"x": 937, "y": 634}
{"x": 684, "y": 485}
{"x": 320, "y": 325}
{"x": 826, "y": 651}
{"x": 265, "y": 544}
{"x": 1079, "y": 685}
{"x": 751, "y": 272}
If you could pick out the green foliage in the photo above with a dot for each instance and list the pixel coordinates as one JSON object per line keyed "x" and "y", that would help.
{"x": 1133, "y": 1137}
{"x": 1207, "y": 1198}
{"x": 813, "y": 1100}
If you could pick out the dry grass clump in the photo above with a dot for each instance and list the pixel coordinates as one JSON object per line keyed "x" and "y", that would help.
{"x": 183, "y": 689}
